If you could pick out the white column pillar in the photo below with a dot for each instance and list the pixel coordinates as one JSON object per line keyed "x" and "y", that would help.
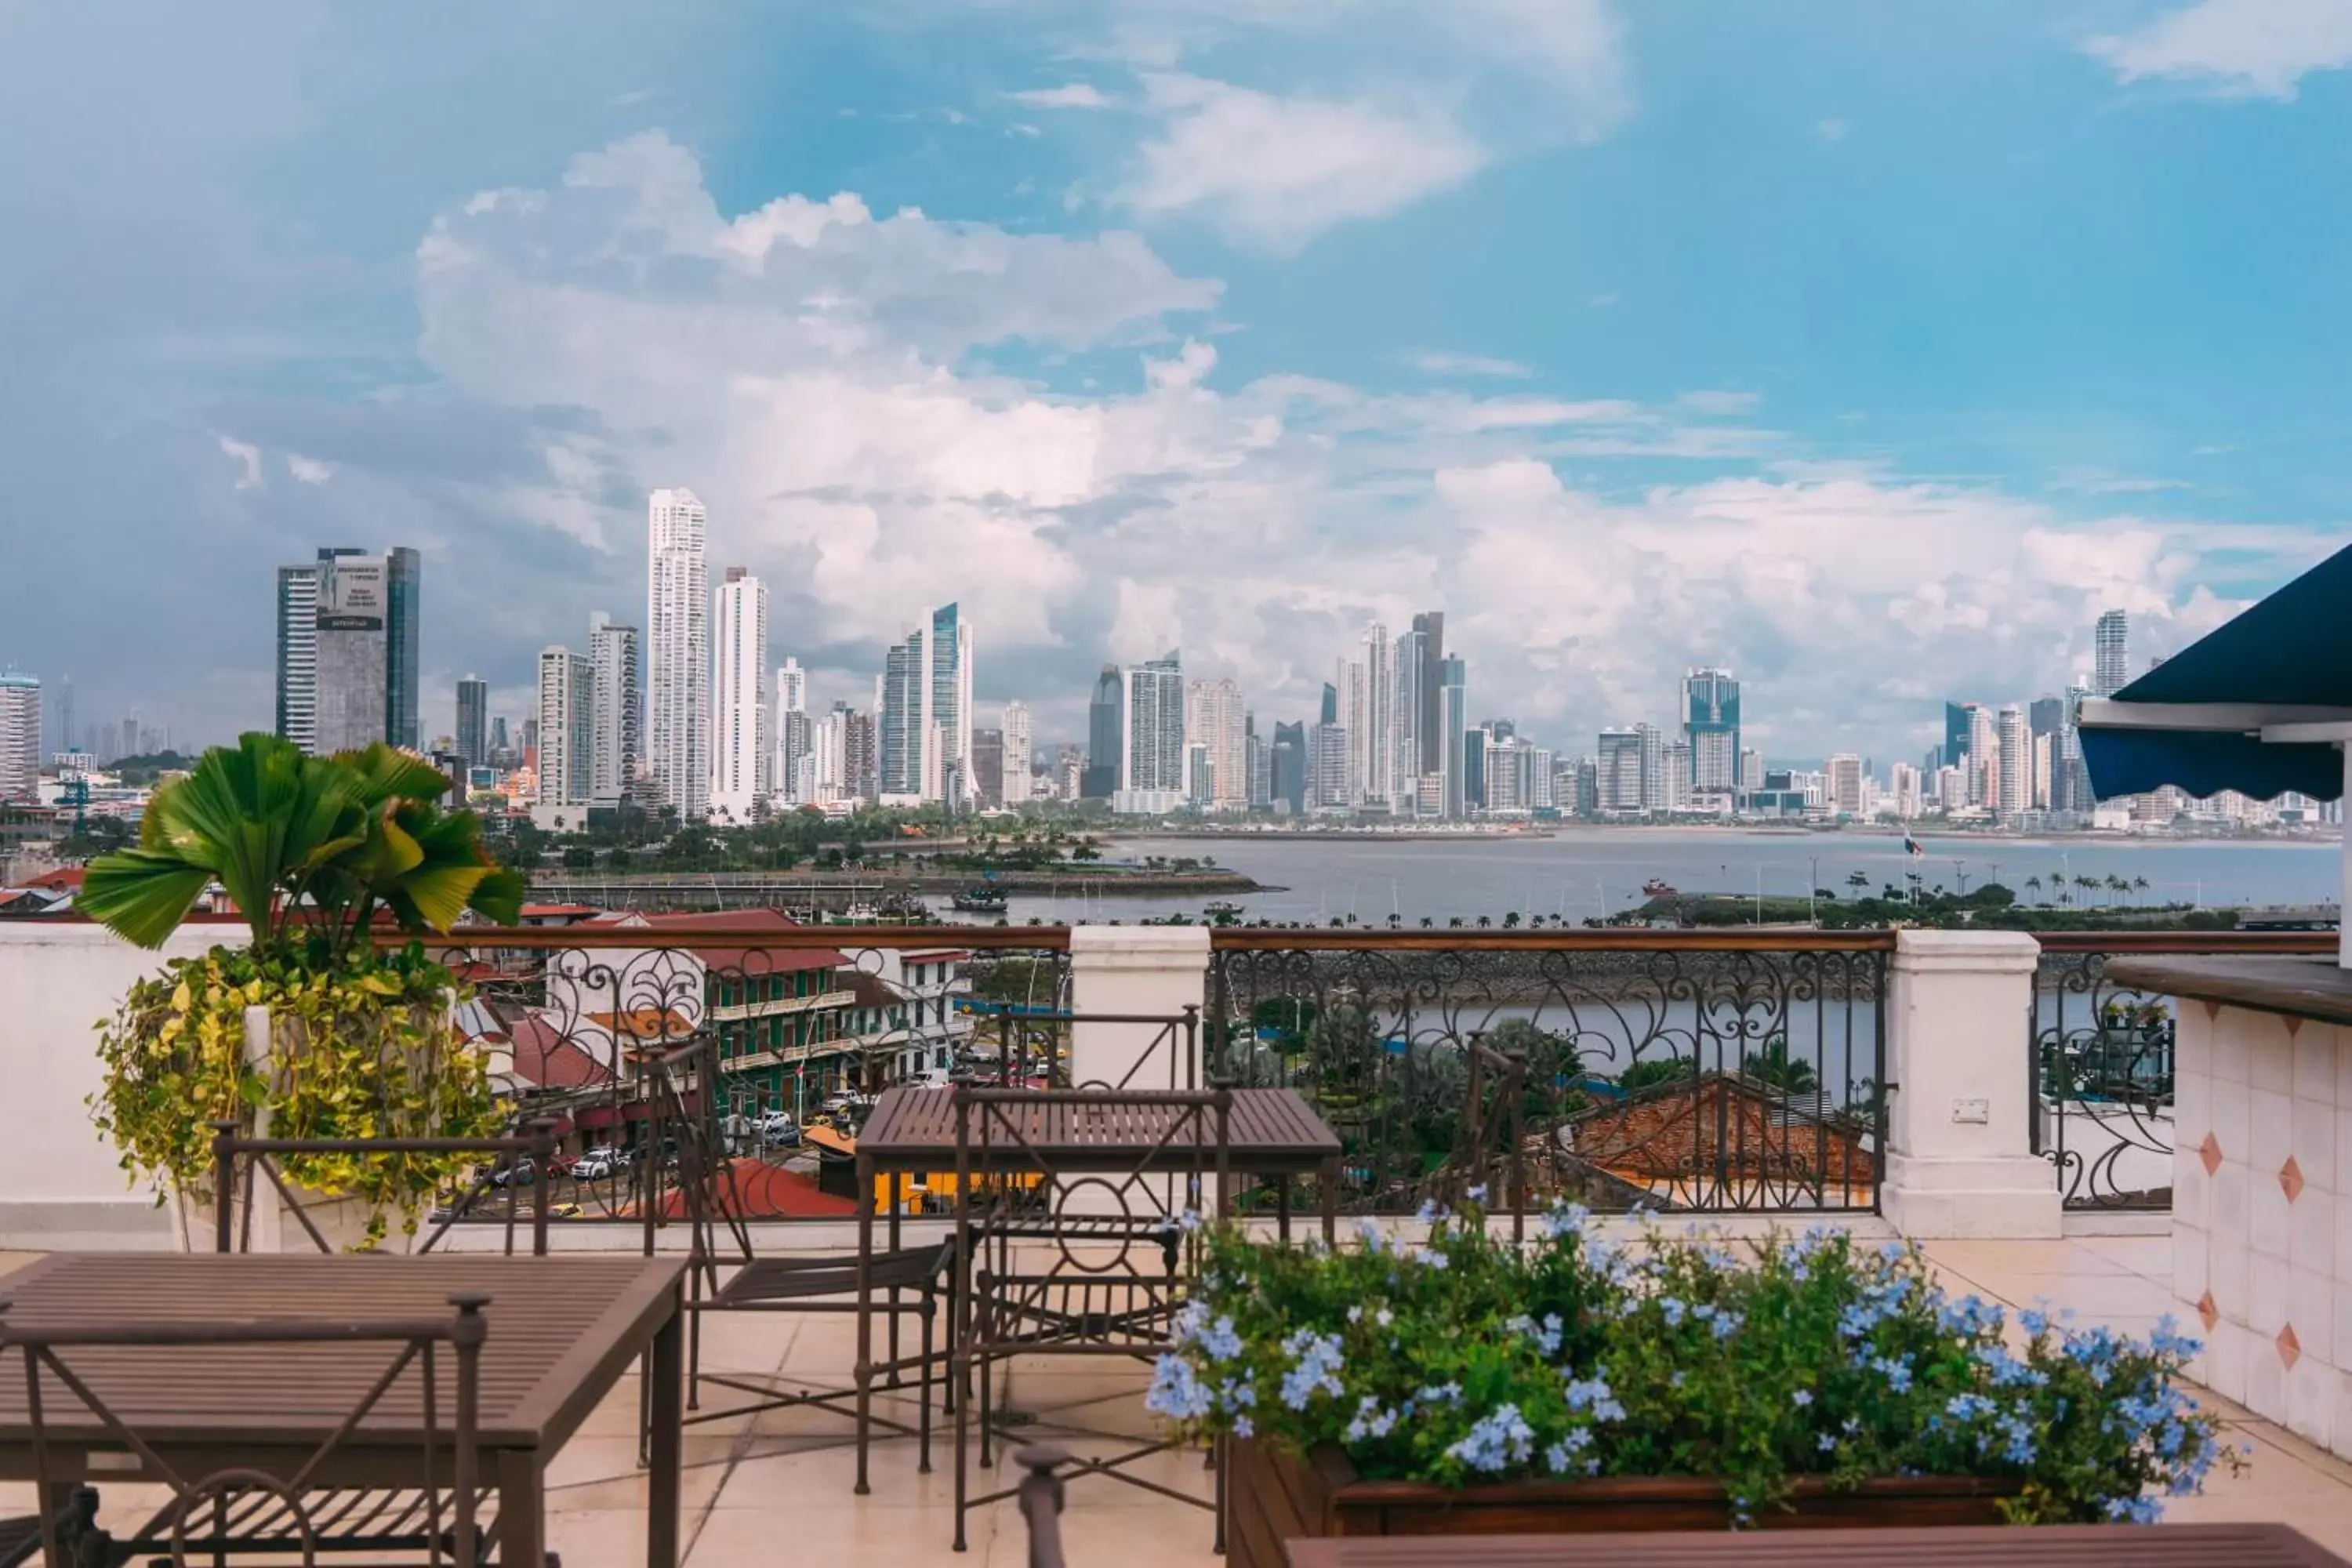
{"x": 1960, "y": 1161}
{"x": 1154, "y": 971}
{"x": 2344, "y": 889}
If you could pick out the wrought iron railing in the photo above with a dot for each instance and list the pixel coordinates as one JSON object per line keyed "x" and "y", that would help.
{"x": 2102, "y": 1061}
{"x": 750, "y": 1047}
{"x": 1699, "y": 1071}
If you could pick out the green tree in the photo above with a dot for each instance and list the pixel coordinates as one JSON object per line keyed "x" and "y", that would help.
{"x": 1775, "y": 1065}
{"x": 1655, "y": 1071}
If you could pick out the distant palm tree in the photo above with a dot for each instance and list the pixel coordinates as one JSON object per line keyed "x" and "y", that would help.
{"x": 2117, "y": 886}
{"x": 2140, "y": 885}
{"x": 2034, "y": 886}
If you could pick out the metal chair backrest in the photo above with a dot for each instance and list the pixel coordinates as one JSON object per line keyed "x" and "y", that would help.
{"x": 259, "y": 1157}
{"x": 60, "y": 1394}
{"x": 1032, "y": 1045}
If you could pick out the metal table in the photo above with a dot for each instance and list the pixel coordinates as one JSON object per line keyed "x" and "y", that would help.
{"x": 562, "y": 1331}
{"x": 1270, "y": 1132}
{"x": 2139, "y": 1545}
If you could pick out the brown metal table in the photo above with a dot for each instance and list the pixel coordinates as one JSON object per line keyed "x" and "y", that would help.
{"x": 562, "y": 1331}
{"x": 1270, "y": 1132}
{"x": 2139, "y": 1545}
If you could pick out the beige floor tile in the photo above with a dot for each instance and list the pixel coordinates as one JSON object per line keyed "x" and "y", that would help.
{"x": 2147, "y": 1256}
{"x": 1979, "y": 1259}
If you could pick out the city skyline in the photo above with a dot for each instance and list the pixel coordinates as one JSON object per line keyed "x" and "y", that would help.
{"x": 1001, "y": 312}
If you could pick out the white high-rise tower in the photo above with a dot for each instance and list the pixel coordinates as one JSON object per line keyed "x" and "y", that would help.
{"x": 2111, "y": 653}
{"x": 1019, "y": 753}
{"x": 740, "y": 748}
{"x": 677, "y": 653}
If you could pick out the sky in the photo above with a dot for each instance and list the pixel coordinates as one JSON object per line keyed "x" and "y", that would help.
{"x": 1868, "y": 350}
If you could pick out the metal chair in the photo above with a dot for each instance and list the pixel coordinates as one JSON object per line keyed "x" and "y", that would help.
{"x": 1118, "y": 1173}
{"x": 725, "y": 1275}
{"x": 239, "y": 1507}
{"x": 260, "y": 1157}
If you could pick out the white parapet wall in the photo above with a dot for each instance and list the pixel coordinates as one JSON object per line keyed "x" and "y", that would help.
{"x": 61, "y": 1184}
{"x": 1142, "y": 972}
{"x": 1960, "y": 1158}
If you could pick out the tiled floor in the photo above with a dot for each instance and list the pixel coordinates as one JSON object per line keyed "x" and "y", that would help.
{"x": 779, "y": 1485}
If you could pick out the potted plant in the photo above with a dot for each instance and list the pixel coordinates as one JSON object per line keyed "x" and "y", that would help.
{"x": 319, "y": 855}
{"x": 1469, "y": 1385}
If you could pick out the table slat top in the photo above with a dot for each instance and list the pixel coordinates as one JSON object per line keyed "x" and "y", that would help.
{"x": 2141, "y": 1546}
{"x": 561, "y": 1329}
{"x": 1265, "y": 1128}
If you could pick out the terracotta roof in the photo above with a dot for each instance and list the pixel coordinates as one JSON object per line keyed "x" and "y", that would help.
{"x": 756, "y": 1190}
{"x": 1727, "y": 1122}
{"x": 531, "y": 911}
{"x": 64, "y": 876}
{"x": 543, "y": 1056}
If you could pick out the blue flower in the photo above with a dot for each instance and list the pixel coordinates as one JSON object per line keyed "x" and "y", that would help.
{"x": 1566, "y": 1219}
{"x": 1674, "y": 1310}
{"x": 2134, "y": 1509}
{"x": 1896, "y": 1370}
{"x": 1725, "y": 1325}
{"x": 1476, "y": 1195}
{"x": 1176, "y": 1390}
{"x": 1801, "y": 1398}
{"x": 1594, "y": 1394}
{"x": 2034, "y": 1322}
{"x": 1826, "y": 1443}
{"x": 1244, "y": 1427}
{"x": 1547, "y": 1335}
{"x": 1315, "y": 1364}
{"x": 1369, "y": 1421}
{"x": 1497, "y": 1441}
{"x": 1219, "y": 1342}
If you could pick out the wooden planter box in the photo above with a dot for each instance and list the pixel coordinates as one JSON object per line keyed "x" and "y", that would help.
{"x": 1273, "y": 1497}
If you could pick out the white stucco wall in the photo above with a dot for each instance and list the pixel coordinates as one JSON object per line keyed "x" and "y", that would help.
{"x": 60, "y": 1186}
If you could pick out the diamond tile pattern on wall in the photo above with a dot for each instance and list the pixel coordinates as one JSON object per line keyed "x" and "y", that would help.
{"x": 2210, "y": 1152}
{"x": 2290, "y": 1349}
{"x": 2291, "y": 1179}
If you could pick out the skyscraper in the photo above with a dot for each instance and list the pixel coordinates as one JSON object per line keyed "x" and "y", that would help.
{"x": 1020, "y": 753}
{"x": 1844, "y": 785}
{"x": 677, "y": 652}
{"x": 1286, "y": 761}
{"x": 898, "y": 721}
{"x": 1213, "y": 720}
{"x": 1429, "y": 630}
{"x": 20, "y": 736}
{"x": 1375, "y": 738}
{"x": 947, "y": 709}
{"x": 363, "y": 649}
{"x": 1959, "y": 720}
{"x": 474, "y": 721}
{"x": 1617, "y": 783}
{"x": 1453, "y": 730}
{"x": 1654, "y": 766}
{"x": 1983, "y": 767}
{"x": 1409, "y": 668}
{"x": 2111, "y": 654}
{"x": 1152, "y": 777}
{"x": 617, "y": 738}
{"x": 739, "y": 745}
{"x": 1711, "y": 730}
{"x": 567, "y": 730}
{"x": 793, "y": 734}
{"x": 987, "y": 769}
{"x": 2013, "y": 792}
{"x": 1105, "y": 733}
{"x": 403, "y": 573}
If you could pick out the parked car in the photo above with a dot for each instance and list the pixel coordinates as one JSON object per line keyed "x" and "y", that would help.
{"x": 596, "y": 1165}
{"x": 521, "y": 1174}
{"x": 779, "y": 1130}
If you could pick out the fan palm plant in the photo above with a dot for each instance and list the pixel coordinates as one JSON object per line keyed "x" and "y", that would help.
{"x": 309, "y": 847}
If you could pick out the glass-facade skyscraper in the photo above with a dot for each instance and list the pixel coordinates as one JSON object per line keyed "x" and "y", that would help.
{"x": 348, "y": 650}
{"x": 1711, "y": 730}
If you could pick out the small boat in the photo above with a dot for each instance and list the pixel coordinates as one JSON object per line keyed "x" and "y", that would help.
{"x": 1657, "y": 887}
{"x": 1221, "y": 909}
{"x": 979, "y": 901}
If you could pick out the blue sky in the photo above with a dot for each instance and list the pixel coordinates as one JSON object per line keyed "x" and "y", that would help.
{"x": 1869, "y": 349}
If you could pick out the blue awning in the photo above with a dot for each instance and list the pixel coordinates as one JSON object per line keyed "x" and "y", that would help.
{"x": 2204, "y": 763}
{"x": 2199, "y": 721}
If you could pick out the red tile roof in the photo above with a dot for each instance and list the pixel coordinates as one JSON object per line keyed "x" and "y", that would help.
{"x": 756, "y": 1190}
{"x": 544, "y": 1057}
{"x": 57, "y": 880}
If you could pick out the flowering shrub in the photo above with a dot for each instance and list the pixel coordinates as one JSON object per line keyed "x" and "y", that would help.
{"x": 1466, "y": 1359}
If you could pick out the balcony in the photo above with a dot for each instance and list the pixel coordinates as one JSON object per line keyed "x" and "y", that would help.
{"x": 1770, "y": 1080}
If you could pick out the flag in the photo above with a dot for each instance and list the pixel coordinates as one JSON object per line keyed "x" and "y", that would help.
{"x": 1911, "y": 847}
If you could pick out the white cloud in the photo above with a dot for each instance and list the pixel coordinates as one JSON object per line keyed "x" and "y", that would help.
{"x": 1074, "y": 95}
{"x": 310, "y": 470}
{"x": 1829, "y": 129}
{"x": 813, "y": 371}
{"x": 1439, "y": 362}
{"x": 2250, "y": 47}
{"x": 250, "y": 456}
{"x": 1275, "y": 172}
